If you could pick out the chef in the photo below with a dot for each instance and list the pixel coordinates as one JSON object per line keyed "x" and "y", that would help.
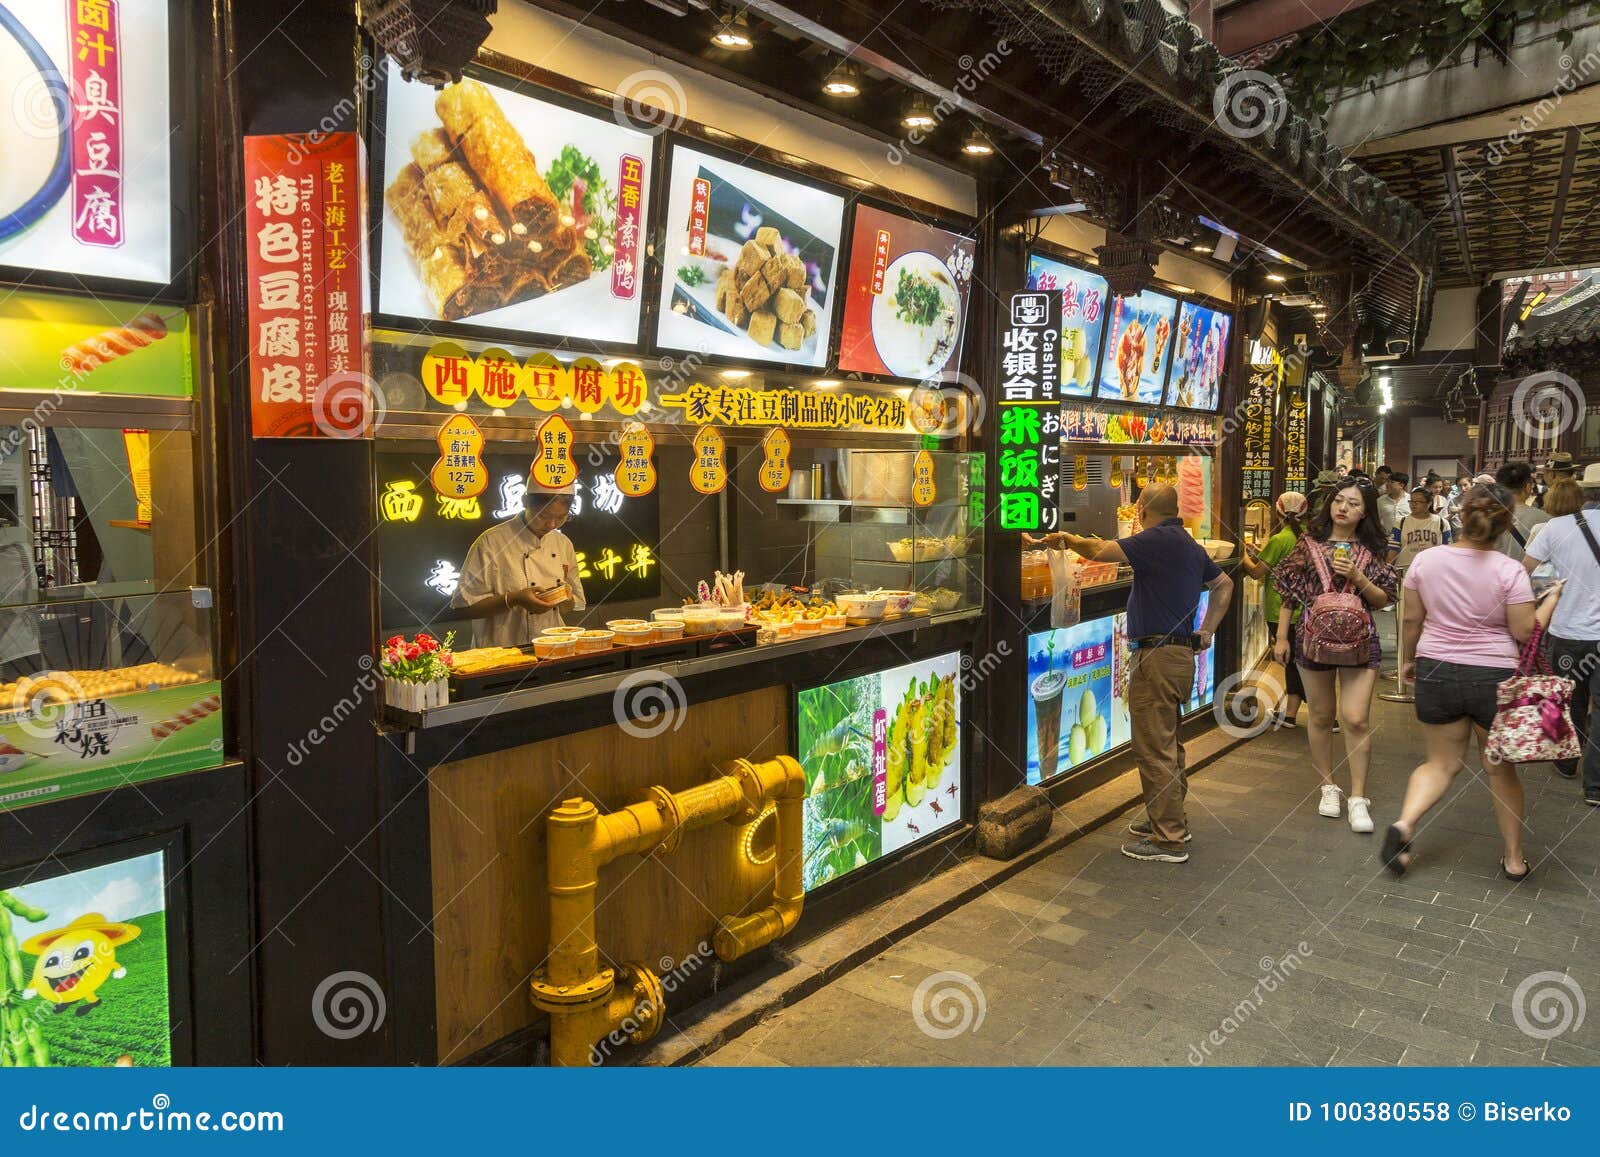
{"x": 521, "y": 574}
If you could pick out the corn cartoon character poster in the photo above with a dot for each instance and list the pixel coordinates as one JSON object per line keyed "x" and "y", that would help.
{"x": 83, "y": 966}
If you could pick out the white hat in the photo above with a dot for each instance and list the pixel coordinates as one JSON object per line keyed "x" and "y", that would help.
{"x": 1591, "y": 477}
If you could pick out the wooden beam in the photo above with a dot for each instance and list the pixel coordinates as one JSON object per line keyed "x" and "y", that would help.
{"x": 1447, "y": 154}
{"x": 1569, "y": 157}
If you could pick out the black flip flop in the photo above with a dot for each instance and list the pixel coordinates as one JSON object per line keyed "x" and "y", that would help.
{"x": 1394, "y": 846}
{"x": 1506, "y": 872}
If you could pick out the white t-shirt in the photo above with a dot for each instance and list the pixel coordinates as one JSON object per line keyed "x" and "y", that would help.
{"x": 1418, "y": 534}
{"x": 506, "y": 558}
{"x": 1392, "y": 510}
{"x": 1563, "y": 546}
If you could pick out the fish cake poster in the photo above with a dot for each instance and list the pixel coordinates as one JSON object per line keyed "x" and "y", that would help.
{"x": 882, "y": 757}
{"x": 91, "y": 949}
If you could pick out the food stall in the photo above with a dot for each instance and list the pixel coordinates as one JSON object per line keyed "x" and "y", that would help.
{"x": 119, "y": 776}
{"x": 739, "y": 370}
{"x": 1132, "y": 399}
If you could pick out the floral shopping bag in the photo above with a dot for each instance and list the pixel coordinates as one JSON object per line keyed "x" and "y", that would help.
{"x": 1533, "y": 722}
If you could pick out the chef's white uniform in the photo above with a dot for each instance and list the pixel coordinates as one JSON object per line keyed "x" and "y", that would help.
{"x": 507, "y": 558}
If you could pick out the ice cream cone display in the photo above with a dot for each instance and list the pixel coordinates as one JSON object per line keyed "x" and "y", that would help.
{"x": 117, "y": 342}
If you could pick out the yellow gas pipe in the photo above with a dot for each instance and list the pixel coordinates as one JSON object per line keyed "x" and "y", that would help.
{"x": 588, "y": 1003}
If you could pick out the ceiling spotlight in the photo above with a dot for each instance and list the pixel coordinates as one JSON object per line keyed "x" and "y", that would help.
{"x": 919, "y": 114}
{"x": 1276, "y": 278}
{"x": 1200, "y": 247}
{"x": 977, "y": 144}
{"x": 842, "y": 81}
{"x": 734, "y": 34}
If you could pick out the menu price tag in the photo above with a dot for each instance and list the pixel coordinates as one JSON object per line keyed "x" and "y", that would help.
{"x": 1030, "y": 418}
{"x": 709, "y": 472}
{"x": 636, "y": 473}
{"x": 922, "y": 488}
{"x": 553, "y": 467}
{"x": 775, "y": 465}
{"x": 459, "y": 473}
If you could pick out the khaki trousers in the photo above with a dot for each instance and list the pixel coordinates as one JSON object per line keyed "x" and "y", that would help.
{"x": 1160, "y": 682}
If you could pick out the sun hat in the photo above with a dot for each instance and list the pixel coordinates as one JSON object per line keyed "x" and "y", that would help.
{"x": 1291, "y": 502}
{"x": 1591, "y": 477}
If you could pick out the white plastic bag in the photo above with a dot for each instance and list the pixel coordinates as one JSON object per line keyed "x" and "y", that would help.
{"x": 1065, "y": 606}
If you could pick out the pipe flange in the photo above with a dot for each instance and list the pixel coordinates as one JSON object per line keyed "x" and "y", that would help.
{"x": 755, "y": 799}
{"x": 650, "y": 1000}
{"x": 673, "y": 820}
{"x": 550, "y": 997}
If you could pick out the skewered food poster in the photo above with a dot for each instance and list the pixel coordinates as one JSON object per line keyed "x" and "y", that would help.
{"x": 1084, "y": 304}
{"x": 510, "y": 212}
{"x": 86, "y": 187}
{"x": 882, "y": 757}
{"x": 905, "y": 308}
{"x": 1139, "y": 341}
{"x": 53, "y": 341}
{"x": 1200, "y": 359}
{"x": 748, "y": 264}
{"x": 90, "y": 948}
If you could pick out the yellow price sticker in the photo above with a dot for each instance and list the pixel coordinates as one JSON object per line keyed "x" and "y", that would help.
{"x": 636, "y": 473}
{"x": 709, "y": 473}
{"x": 922, "y": 488}
{"x": 553, "y": 467}
{"x": 774, "y": 471}
{"x": 459, "y": 472}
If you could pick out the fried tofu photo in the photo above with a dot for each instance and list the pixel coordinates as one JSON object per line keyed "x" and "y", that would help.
{"x": 808, "y": 322}
{"x": 762, "y": 326}
{"x": 788, "y": 305}
{"x": 776, "y": 273}
{"x": 755, "y": 293}
{"x": 768, "y": 237}
{"x": 790, "y": 337}
{"x": 751, "y": 258}
{"x": 797, "y": 271}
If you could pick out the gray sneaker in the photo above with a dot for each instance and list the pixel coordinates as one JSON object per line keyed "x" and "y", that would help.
{"x": 1145, "y": 850}
{"x": 1144, "y": 831}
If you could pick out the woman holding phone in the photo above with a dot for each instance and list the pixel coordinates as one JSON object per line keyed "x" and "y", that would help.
{"x": 1342, "y": 551}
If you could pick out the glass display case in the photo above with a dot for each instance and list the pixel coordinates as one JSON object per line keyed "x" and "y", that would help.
{"x": 875, "y": 536}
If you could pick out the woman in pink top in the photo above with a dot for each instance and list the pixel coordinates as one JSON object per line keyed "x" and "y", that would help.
{"x": 1468, "y": 610}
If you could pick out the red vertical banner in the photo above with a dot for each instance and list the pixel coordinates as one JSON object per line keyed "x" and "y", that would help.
{"x": 880, "y": 261}
{"x": 625, "y": 271}
{"x": 94, "y": 69}
{"x": 699, "y": 211}
{"x": 305, "y": 233}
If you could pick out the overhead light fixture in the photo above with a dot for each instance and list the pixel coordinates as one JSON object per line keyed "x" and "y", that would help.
{"x": 1200, "y": 247}
{"x": 919, "y": 114}
{"x": 1181, "y": 289}
{"x": 843, "y": 80}
{"x": 827, "y": 383}
{"x": 736, "y": 375}
{"x": 977, "y": 144}
{"x": 734, "y": 34}
{"x": 1276, "y": 278}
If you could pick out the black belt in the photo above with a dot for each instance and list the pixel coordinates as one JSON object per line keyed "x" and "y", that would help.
{"x": 1151, "y": 642}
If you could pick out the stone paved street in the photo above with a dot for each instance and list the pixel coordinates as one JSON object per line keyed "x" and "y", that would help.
{"x": 1281, "y": 942}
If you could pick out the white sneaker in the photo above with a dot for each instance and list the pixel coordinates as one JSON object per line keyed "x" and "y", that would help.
{"x": 1330, "y": 801}
{"x": 1360, "y": 816}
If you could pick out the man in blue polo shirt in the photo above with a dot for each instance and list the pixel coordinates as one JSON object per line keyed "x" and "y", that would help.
{"x": 1170, "y": 570}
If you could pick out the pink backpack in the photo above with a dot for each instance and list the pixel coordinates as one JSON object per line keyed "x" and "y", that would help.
{"x": 1336, "y": 629}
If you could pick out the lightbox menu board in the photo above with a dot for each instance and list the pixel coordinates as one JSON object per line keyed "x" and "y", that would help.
{"x": 86, "y": 184}
{"x": 1077, "y": 700}
{"x": 882, "y": 757}
{"x": 1138, "y": 353}
{"x": 748, "y": 262}
{"x": 1084, "y": 300}
{"x": 1200, "y": 357}
{"x": 506, "y": 211}
{"x": 905, "y": 307}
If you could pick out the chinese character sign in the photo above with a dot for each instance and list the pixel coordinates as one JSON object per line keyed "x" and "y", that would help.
{"x": 802, "y": 409}
{"x": 1259, "y": 399}
{"x": 304, "y": 215}
{"x": 459, "y": 473}
{"x": 1030, "y": 420}
{"x": 923, "y": 492}
{"x": 709, "y": 472}
{"x": 451, "y": 376}
{"x": 1294, "y": 440}
{"x": 1084, "y": 298}
{"x": 94, "y": 60}
{"x": 553, "y": 467}
{"x": 775, "y": 461}
{"x": 636, "y": 471}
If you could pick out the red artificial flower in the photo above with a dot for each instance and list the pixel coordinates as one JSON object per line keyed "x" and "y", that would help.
{"x": 428, "y": 644}
{"x": 413, "y": 651}
{"x": 394, "y": 641}
{"x": 449, "y": 659}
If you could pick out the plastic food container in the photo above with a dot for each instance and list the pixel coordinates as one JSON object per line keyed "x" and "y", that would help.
{"x": 668, "y": 630}
{"x": 593, "y": 642}
{"x": 862, "y": 606}
{"x": 668, "y": 614}
{"x": 700, "y": 620}
{"x": 632, "y": 632}
{"x": 833, "y": 622}
{"x": 808, "y": 626}
{"x": 553, "y": 646}
{"x": 562, "y": 632}
{"x": 730, "y": 620}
